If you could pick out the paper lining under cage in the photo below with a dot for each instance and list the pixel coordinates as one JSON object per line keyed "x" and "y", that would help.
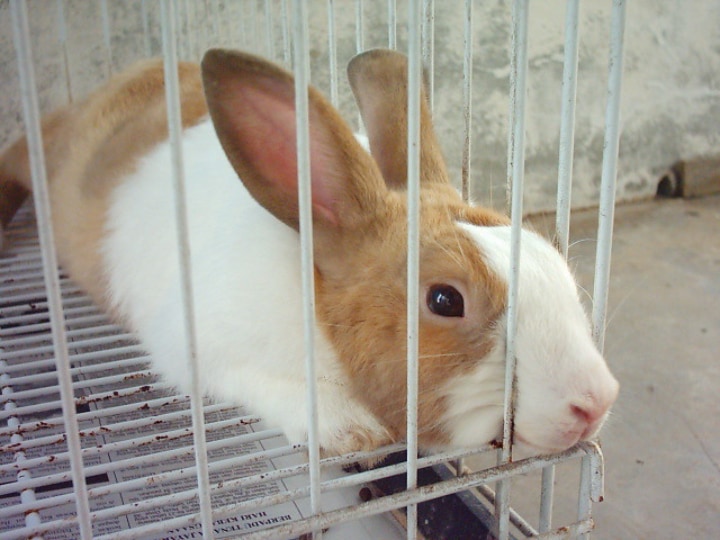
{"x": 95, "y": 446}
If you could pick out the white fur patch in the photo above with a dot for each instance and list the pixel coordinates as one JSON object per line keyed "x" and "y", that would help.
{"x": 558, "y": 365}
{"x": 245, "y": 268}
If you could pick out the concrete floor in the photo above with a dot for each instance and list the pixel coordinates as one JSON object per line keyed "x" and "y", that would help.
{"x": 662, "y": 444}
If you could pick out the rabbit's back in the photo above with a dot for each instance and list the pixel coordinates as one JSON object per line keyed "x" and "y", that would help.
{"x": 245, "y": 267}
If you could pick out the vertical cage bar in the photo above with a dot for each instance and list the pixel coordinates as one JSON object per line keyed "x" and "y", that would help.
{"x": 428, "y": 47}
{"x": 269, "y": 40}
{"x": 285, "y": 22}
{"x": 609, "y": 174}
{"x": 62, "y": 38}
{"x": 467, "y": 100}
{"x": 516, "y": 172}
{"x": 239, "y": 26}
{"x": 105, "y": 15}
{"x": 172, "y": 96}
{"x": 585, "y": 491}
{"x": 392, "y": 24}
{"x": 567, "y": 127}
{"x": 359, "y": 27}
{"x": 413, "y": 253}
{"x": 31, "y": 115}
{"x": 332, "y": 53}
{"x": 211, "y": 11}
{"x": 106, "y": 36}
{"x": 547, "y": 488}
{"x": 597, "y": 468}
{"x": 564, "y": 197}
{"x": 465, "y": 170}
{"x": 302, "y": 79}
{"x": 201, "y": 32}
{"x": 253, "y": 18}
{"x": 146, "y": 27}
{"x": 182, "y": 26}
{"x": 224, "y": 21}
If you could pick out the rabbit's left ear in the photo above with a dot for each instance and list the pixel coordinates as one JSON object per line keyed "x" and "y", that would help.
{"x": 379, "y": 80}
{"x": 252, "y": 105}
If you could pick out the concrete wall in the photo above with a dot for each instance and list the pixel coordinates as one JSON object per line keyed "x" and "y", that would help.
{"x": 670, "y": 106}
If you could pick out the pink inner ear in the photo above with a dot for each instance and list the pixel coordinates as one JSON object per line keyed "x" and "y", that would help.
{"x": 266, "y": 134}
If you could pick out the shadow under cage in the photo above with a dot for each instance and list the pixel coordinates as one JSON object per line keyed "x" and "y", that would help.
{"x": 95, "y": 445}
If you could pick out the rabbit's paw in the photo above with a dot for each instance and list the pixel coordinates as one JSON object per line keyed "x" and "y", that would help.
{"x": 355, "y": 438}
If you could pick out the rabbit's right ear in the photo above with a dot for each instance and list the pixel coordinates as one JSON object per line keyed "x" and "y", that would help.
{"x": 252, "y": 105}
{"x": 379, "y": 81}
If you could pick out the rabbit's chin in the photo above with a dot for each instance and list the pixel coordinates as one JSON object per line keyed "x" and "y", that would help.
{"x": 522, "y": 449}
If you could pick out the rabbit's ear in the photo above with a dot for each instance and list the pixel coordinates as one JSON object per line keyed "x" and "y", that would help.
{"x": 378, "y": 79}
{"x": 252, "y": 105}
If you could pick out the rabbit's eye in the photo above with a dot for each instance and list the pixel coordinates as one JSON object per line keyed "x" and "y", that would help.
{"x": 445, "y": 300}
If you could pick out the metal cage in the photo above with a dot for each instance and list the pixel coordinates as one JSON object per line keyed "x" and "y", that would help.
{"x": 94, "y": 447}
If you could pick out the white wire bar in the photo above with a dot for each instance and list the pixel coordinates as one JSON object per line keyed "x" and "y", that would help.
{"x": 31, "y": 113}
{"x": 606, "y": 212}
{"x": 413, "y": 251}
{"x": 332, "y": 52}
{"x": 516, "y": 171}
{"x": 269, "y": 36}
{"x": 564, "y": 197}
{"x": 426, "y": 493}
{"x": 609, "y": 174}
{"x": 392, "y": 24}
{"x": 428, "y": 46}
{"x": 172, "y": 95}
{"x": 567, "y": 126}
{"x": 359, "y": 27}
{"x": 106, "y": 36}
{"x": 285, "y": 23}
{"x": 62, "y": 38}
{"x": 466, "y": 169}
{"x": 302, "y": 79}
{"x": 145, "y": 15}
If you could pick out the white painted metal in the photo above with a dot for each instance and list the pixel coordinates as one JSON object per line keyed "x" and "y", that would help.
{"x": 609, "y": 174}
{"x": 567, "y": 126}
{"x": 413, "y": 252}
{"x": 465, "y": 171}
{"x": 332, "y": 53}
{"x": 359, "y": 26}
{"x": 392, "y": 24}
{"x": 564, "y": 192}
{"x": 62, "y": 38}
{"x": 516, "y": 171}
{"x": 428, "y": 45}
{"x": 285, "y": 23}
{"x": 172, "y": 97}
{"x": 31, "y": 113}
{"x": 106, "y": 36}
{"x": 302, "y": 79}
{"x": 269, "y": 37}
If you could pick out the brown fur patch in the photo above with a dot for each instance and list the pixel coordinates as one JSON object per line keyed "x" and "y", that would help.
{"x": 89, "y": 147}
{"x": 364, "y": 313}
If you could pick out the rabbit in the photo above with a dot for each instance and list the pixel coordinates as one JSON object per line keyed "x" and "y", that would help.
{"x": 109, "y": 171}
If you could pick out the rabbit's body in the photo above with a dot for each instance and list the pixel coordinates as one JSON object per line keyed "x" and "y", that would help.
{"x": 246, "y": 284}
{"x": 113, "y": 211}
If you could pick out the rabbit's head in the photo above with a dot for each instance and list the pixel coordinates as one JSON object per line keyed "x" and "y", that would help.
{"x": 359, "y": 208}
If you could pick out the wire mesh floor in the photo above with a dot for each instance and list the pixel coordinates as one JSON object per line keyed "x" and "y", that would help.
{"x": 136, "y": 435}
{"x": 137, "y": 445}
